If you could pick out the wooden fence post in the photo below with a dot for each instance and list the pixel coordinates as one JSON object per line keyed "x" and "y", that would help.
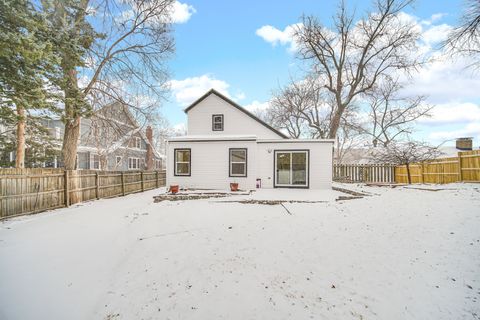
{"x": 460, "y": 176}
{"x": 422, "y": 178}
{"x": 67, "y": 191}
{"x": 123, "y": 184}
{"x": 97, "y": 186}
{"x": 143, "y": 184}
{"x": 156, "y": 178}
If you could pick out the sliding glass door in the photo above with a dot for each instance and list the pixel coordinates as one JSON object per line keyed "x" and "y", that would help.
{"x": 291, "y": 168}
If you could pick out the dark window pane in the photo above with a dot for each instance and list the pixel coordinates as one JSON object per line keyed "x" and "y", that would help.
{"x": 183, "y": 155}
{"x": 183, "y": 168}
{"x": 238, "y": 155}
{"x": 83, "y": 160}
{"x": 299, "y": 168}
{"x": 238, "y": 168}
{"x": 283, "y": 168}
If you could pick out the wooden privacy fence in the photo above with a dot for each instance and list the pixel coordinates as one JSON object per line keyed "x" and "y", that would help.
{"x": 364, "y": 173}
{"x": 465, "y": 167}
{"x": 24, "y": 191}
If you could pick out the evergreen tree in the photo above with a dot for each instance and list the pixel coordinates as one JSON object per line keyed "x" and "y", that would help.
{"x": 26, "y": 62}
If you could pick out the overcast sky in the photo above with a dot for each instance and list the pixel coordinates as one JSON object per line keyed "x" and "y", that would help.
{"x": 244, "y": 49}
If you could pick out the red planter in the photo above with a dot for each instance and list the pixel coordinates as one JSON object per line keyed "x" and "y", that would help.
{"x": 234, "y": 186}
{"x": 173, "y": 189}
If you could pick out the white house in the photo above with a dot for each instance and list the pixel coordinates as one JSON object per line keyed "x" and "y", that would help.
{"x": 226, "y": 143}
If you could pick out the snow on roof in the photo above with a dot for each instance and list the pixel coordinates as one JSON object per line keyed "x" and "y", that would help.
{"x": 244, "y": 137}
{"x": 295, "y": 140}
{"x": 213, "y": 137}
{"x": 449, "y": 152}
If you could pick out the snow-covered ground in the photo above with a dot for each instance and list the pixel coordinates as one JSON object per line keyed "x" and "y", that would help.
{"x": 397, "y": 254}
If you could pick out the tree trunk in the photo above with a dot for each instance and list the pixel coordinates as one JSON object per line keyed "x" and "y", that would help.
{"x": 409, "y": 179}
{"x": 20, "y": 151}
{"x": 335, "y": 122}
{"x": 70, "y": 141}
{"x": 72, "y": 123}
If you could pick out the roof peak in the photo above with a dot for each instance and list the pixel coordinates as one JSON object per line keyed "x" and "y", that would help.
{"x": 236, "y": 105}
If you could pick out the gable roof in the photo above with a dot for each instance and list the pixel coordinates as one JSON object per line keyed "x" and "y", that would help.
{"x": 134, "y": 123}
{"x": 234, "y": 104}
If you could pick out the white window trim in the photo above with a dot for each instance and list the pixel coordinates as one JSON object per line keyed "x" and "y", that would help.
{"x": 135, "y": 161}
{"x": 93, "y": 162}
{"x": 138, "y": 143}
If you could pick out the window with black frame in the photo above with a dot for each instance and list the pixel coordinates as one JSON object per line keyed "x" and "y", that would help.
{"x": 182, "y": 162}
{"x": 217, "y": 122}
{"x": 238, "y": 162}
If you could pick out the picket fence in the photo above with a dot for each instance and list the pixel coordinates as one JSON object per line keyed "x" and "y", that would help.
{"x": 25, "y": 191}
{"x": 372, "y": 173}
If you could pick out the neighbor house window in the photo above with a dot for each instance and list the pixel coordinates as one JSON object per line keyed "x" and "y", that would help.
{"x": 135, "y": 142}
{"x": 158, "y": 164}
{"x": 238, "y": 163}
{"x": 96, "y": 161}
{"x": 217, "y": 122}
{"x": 182, "y": 162}
{"x": 133, "y": 163}
{"x": 118, "y": 160}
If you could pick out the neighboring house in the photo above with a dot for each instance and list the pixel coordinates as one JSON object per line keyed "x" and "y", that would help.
{"x": 366, "y": 155}
{"x": 461, "y": 144}
{"x": 225, "y": 143}
{"x": 109, "y": 140}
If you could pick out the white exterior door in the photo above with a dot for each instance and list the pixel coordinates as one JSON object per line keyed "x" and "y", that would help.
{"x": 291, "y": 168}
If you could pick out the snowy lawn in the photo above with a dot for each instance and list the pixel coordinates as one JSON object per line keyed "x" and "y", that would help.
{"x": 397, "y": 254}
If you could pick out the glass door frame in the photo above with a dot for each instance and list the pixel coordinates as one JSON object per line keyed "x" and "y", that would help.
{"x": 307, "y": 167}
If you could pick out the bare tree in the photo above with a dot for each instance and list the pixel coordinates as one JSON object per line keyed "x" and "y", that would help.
{"x": 406, "y": 153}
{"x": 349, "y": 139}
{"x": 301, "y": 109}
{"x": 121, "y": 59}
{"x": 464, "y": 40}
{"x": 162, "y": 131}
{"x": 391, "y": 115}
{"x": 352, "y": 58}
{"x": 285, "y": 119}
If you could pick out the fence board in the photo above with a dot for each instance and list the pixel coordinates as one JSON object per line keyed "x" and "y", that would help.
{"x": 24, "y": 191}
{"x": 464, "y": 167}
{"x": 373, "y": 173}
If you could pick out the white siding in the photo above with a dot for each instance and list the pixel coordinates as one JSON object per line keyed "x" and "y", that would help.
{"x": 320, "y": 162}
{"x": 210, "y": 165}
{"x": 235, "y": 121}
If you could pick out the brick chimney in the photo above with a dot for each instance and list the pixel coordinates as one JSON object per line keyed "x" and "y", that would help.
{"x": 149, "y": 156}
{"x": 464, "y": 143}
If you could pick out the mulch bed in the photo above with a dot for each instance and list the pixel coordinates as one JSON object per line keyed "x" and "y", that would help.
{"x": 195, "y": 196}
{"x": 350, "y": 192}
{"x": 272, "y": 202}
